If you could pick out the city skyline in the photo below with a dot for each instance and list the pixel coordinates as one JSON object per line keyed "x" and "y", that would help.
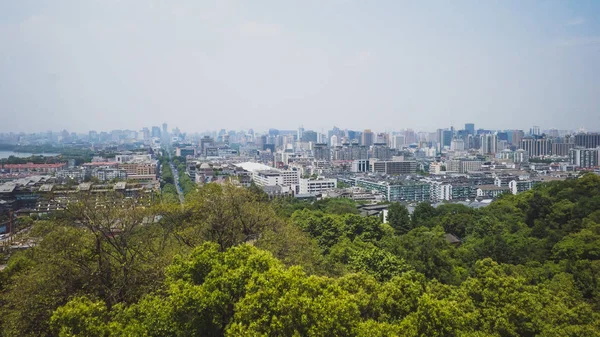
{"x": 107, "y": 65}
{"x": 526, "y": 130}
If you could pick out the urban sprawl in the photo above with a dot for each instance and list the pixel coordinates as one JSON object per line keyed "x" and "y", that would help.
{"x": 470, "y": 166}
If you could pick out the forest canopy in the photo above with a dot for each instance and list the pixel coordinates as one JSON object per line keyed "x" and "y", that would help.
{"x": 231, "y": 262}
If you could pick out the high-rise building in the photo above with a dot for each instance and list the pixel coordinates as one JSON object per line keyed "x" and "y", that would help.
{"x": 457, "y": 145}
{"x": 587, "y": 140}
{"x": 516, "y": 137}
{"x": 321, "y": 152}
{"x": 489, "y": 143}
{"x": 410, "y": 136}
{"x": 535, "y": 131}
{"x": 470, "y": 128}
{"x": 155, "y": 132}
{"x": 446, "y": 138}
{"x": 398, "y": 141}
{"x": 381, "y": 151}
{"x": 164, "y": 129}
{"x": 537, "y": 147}
{"x": 300, "y": 133}
{"x": 367, "y": 138}
{"x": 309, "y": 136}
{"x": 145, "y": 134}
{"x": 584, "y": 158}
{"x": 334, "y": 140}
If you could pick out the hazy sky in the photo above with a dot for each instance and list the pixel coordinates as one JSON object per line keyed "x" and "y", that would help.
{"x": 384, "y": 65}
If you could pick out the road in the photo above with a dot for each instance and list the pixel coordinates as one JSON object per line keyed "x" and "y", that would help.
{"x": 175, "y": 178}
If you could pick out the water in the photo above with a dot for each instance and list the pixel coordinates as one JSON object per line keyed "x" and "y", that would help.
{"x": 6, "y": 154}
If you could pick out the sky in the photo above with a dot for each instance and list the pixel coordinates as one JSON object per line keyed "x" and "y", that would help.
{"x": 385, "y": 65}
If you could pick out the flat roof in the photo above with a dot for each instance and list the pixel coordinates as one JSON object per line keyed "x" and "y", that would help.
{"x": 7, "y": 188}
{"x": 253, "y": 167}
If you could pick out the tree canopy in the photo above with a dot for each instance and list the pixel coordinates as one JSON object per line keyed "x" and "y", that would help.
{"x": 231, "y": 262}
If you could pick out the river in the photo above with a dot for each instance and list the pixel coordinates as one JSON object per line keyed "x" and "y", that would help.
{"x": 6, "y": 154}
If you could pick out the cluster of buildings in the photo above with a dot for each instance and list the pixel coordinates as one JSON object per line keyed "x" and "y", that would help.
{"x": 460, "y": 165}
{"x": 445, "y": 165}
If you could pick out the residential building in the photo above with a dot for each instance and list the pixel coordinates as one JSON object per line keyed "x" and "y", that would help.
{"x": 491, "y": 191}
{"x": 381, "y": 151}
{"x": 440, "y": 191}
{"x": 367, "y": 138}
{"x": 107, "y": 174}
{"x": 587, "y": 140}
{"x": 584, "y": 158}
{"x": 394, "y": 167}
{"x": 33, "y": 168}
{"x": 321, "y": 152}
{"x": 537, "y": 147}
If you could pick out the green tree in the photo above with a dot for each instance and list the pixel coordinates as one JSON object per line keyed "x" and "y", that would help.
{"x": 399, "y": 218}
{"x": 423, "y": 214}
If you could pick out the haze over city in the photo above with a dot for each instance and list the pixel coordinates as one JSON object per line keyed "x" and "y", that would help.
{"x": 204, "y": 65}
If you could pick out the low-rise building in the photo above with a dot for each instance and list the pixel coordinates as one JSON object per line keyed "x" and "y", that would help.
{"x": 316, "y": 186}
{"x": 491, "y": 191}
{"x": 33, "y": 168}
{"x": 394, "y": 167}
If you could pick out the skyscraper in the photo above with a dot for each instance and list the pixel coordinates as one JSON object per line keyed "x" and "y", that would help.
{"x": 367, "y": 138}
{"x": 155, "y": 132}
{"x": 470, "y": 128}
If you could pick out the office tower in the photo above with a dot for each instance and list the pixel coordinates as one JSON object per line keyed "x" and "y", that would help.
{"x": 300, "y": 133}
{"x": 446, "y": 138}
{"x": 164, "y": 129}
{"x": 367, "y": 138}
{"x": 470, "y": 128}
{"x": 309, "y": 136}
{"x": 351, "y": 135}
{"x": 155, "y": 132}
{"x": 535, "y": 131}
{"x": 517, "y": 136}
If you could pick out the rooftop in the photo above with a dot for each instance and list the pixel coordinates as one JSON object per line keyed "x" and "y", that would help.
{"x": 33, "y": 166}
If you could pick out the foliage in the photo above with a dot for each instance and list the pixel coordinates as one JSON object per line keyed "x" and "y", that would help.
{"x": 399, "y": 218}
{"x": 231, "y": 262}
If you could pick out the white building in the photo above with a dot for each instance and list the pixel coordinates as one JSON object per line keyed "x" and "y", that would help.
{"x": 310, "y": 186}
{"x": 435, "y": 168}
{"x": 267, "y": 178}
{"x": 290, "y": 177}
{"x": 360, "y": 165}
{"x": 457, "y": 145}
{"x": 439, "y": 191}
{"x": 106, "y": 174}
{"x": 398, "y": 141}
{"x": 334, "y": 141}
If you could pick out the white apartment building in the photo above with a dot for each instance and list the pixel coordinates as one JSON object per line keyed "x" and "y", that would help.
{"x": 310, "y": 186}
{"x": 439, "y": 191}
{"x": 435, "y": 168}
